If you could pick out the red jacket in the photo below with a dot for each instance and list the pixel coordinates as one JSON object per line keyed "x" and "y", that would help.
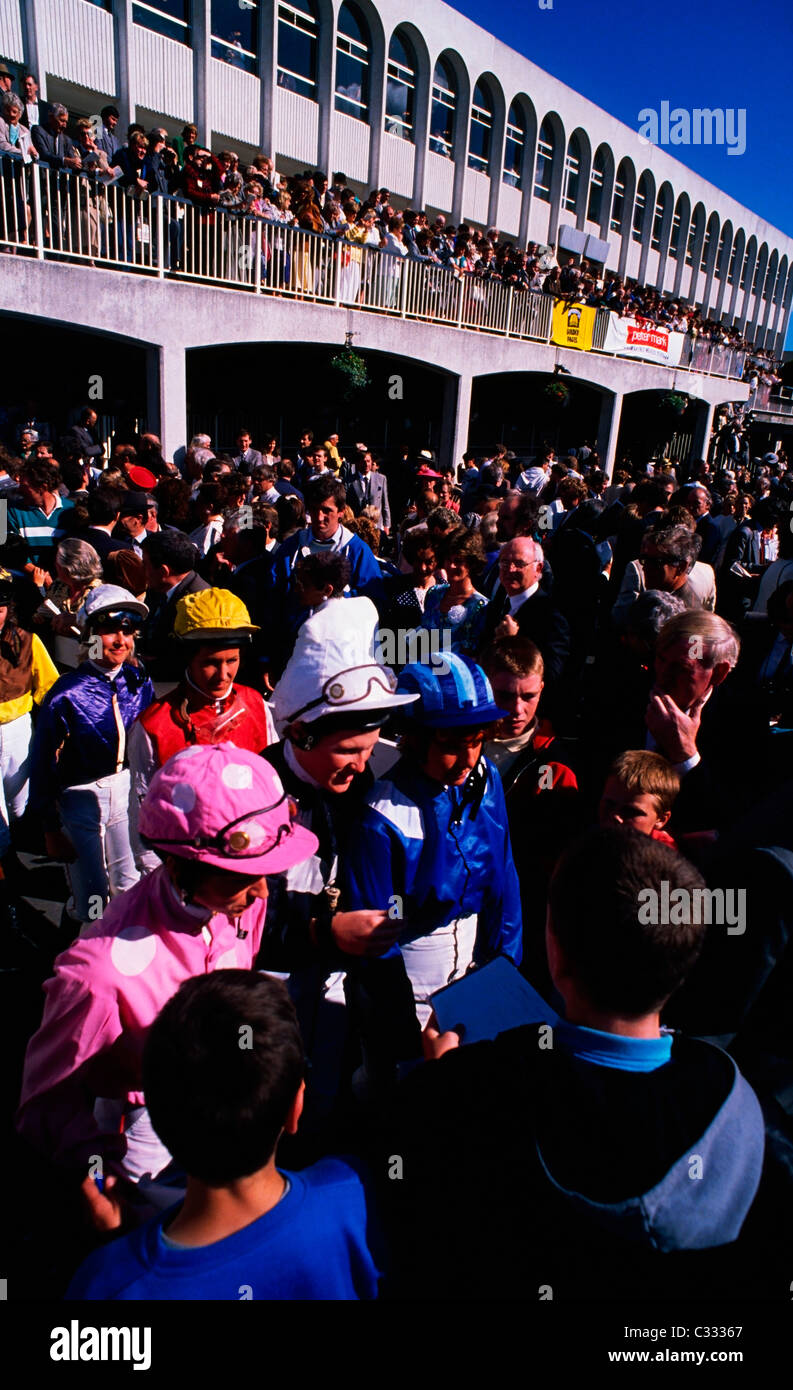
{"x": 178, "y": 719}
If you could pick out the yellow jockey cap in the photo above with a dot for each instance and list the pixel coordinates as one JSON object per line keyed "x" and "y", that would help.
{"x": 212, "y": 614}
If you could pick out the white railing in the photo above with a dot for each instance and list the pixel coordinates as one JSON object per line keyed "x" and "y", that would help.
{"x": 58, "y": 214}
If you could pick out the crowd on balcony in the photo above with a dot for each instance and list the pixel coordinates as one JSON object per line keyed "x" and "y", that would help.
{"x": 150, "y": 163}
{"x": 564, "y": 698}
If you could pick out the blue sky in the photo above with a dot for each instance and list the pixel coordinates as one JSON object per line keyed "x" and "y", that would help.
{"x": 707, "y": 53}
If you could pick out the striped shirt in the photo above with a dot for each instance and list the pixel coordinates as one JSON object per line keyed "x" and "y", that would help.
{"x": 41, "y": 533}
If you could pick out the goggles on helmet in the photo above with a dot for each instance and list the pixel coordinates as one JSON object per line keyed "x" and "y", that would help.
{"x": 233, "y": 841}
{"x": 350, "y": 687}
{"x": 116, "y": 620}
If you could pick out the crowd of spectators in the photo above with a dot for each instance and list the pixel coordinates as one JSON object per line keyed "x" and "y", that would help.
{"x": 150, "y": 163}
{"x": 572, "y": 692}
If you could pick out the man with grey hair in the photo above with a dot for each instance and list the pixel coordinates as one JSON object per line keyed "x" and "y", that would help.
{"x": 668, "y": 562}
{"x": 53, "y": 144}
{"x": 520, "y": 607}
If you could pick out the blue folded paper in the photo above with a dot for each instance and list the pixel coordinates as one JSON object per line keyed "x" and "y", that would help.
{"x": 489, "y": 1001}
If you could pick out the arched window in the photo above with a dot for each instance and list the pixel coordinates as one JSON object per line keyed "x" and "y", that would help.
{"x": 639, "y": 208}
{"x": 693, "y": 232}
{"x": 481, "y": 129}
{"x": 658, "y": 222}
{"x": 168, "y": 17}
{"x": 731, "y": 270}
{"x": 235, "y": 32}
{"x": 444, "y": 104}
{"x": 297, "y": 47}
{"x": 514, "y": 146}
{"x": 720, "y": 253}
{"x": 400, "y": 93}
{"x": 618, "y": 201}
{"x": 706, "y": 240}
{"x": 745, "y": 270}
{"x": 352, "y": 63}
{"x": 543, "y": 171}
{"x": 596, "y": 181}
{"x": 674, "y": 239}
{"x": 572, "y": 174}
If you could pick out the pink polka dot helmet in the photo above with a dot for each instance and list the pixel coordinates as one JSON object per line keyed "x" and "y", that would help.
{"x": 227, "y": 808}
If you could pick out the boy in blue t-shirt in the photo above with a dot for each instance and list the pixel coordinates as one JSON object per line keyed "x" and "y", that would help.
{"x": 223, "y": 1077}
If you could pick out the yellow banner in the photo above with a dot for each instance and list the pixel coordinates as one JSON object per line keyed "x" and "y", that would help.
{"x": 573, "y": 325}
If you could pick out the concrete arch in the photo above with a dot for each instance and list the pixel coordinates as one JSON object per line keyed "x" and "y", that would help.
{"x": 758, "y": 281}
{"x": 739, "y": 247}
{"x": 696, "y": 236}
{"x": 713, "y": 231}
{"x": 726, "y": 238}
{"x": 626, "y": 173}
{"x": 750, "y": 261}
{"x": 582, "y": 142}
{"x": 665, "y": 197}
{"x": 553, "y": 122}
{"x": 529, "y": 114}
{"x": 461, "y": 121}
{"x": 378, "y": 53}
{"x": 421, "y": 124}
{"x": 647, "y": 183}
{"x": 605, "y": 156}
{"x": 770, "y": 286}
{"x": 495, "y": 162}
{"x": 683, "y": 210}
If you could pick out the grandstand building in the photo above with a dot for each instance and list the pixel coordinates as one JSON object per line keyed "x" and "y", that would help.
{"x": 418, "y": 100}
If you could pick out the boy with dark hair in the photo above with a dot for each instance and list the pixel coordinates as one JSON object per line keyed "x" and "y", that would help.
{"x": 617, "y": 1141}
{"x": 320, "y": 577}
{"x": 223, "y": 1077}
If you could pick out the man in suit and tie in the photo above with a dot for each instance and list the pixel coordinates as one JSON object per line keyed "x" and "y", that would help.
{"x": 370, "y": 489}
{"x": 108, "y": 137}
{"x": 246, "y": 458}
{"x": 53, "y": 144}
{"x": 519, "y": 607}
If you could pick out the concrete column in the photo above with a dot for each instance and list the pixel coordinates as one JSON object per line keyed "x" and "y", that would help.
{"x": 268, "y": 79}
{"x": 421, "y": 134}
{"x": 608, "y": 431}
{"x": 455, "y": 418}
{"x": 497, "y": 142}
{"x": 700, "y": 442}
{"x": 31, "y": 43}
{"x": 166, "y": 397}
{"x": 122, "y": 43}
{"x": 326, "y": 84}
{"x": 202, "y": 33}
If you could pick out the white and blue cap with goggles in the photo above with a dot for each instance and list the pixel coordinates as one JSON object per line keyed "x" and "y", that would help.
{"x": 109, "y": 602}
{"x": 454, "y": 693}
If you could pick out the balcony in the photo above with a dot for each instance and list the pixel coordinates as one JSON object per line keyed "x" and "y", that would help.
{"x": 64, "y": 217}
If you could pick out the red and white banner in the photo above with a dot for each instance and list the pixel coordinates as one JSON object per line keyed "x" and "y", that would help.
{"x": 631, "y": 339}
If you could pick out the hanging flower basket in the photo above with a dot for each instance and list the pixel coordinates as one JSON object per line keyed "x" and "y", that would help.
{"x": 350, "y": 371}
{"x": 676, "y": 403}
{"x": 557, "y": 392}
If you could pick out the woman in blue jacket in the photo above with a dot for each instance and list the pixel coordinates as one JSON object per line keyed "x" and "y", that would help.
{"x": 79, "y": 781}
{"x": 434, "y": 850}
